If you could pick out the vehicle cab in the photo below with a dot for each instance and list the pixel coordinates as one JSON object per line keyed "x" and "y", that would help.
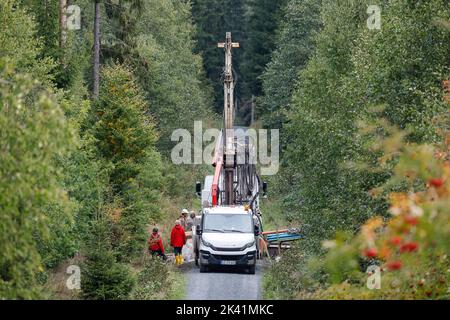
{"x": 226, "y": 237}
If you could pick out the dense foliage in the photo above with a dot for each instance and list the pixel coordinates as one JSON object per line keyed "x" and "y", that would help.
{"x": 347, "y": 75}
{"x": 84, "y": 177}
{"x": 329, "y": 161}
{"x": 361, "y": 112}
{"x": 103, "y": 278}
{"x": 34, "y": 130}
{"x": 294, "y": 46}
{"x": 153, "y": 278}
{"x": 213, "y": 19}
{"x": 402, "y": 257}
{"x": 126, "y": 141}
{"x": 173, "y": 76}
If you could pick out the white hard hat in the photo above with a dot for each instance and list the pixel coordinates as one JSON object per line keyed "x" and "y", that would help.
{"x": 184, "y": 211}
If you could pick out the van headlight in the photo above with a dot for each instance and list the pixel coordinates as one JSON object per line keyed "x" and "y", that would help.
{"x": 206, "y": 243}
{"x": 249, "y": 245}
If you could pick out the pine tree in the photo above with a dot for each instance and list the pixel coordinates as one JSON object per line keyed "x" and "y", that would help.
{"x": 208, "y": 18}
{"x": 102, "y": 277}
{"x": 123, "y": 19}
{"x": 294, "y": 47}
{"x": 168, "y": 70}
{"x": 96, "y": 53}
{"x": 262, "y": 18}
{"x": 126, "y": 139}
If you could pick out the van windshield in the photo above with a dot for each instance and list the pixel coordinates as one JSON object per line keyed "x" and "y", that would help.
{"x": 241, "y": 223}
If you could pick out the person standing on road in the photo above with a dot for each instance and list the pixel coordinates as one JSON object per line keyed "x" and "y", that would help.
{"x": 155, "y": 244}
{"x": 177, "y": 241}
{"x": 183, "y": 218}
{"x": 190, "y": 221}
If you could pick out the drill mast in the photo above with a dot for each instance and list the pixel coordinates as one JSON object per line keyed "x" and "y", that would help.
{"x": 229, "y": 152}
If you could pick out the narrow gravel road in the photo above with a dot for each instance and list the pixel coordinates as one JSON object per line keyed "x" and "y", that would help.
{"x": 223, "y": 284}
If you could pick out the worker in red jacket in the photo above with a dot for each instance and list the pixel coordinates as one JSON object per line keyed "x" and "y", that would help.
{"x": 155, "y": 244}
{"x": 177, "y": 241}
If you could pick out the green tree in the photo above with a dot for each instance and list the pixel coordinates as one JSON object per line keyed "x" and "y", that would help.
{"x": 170, "y": 73}
{"x": 19, "y": 44}
{"x": 102, "y": 277}
{"x": 126, "y": 138}
{"x": 33, "y": 131}
{"x": 329, "y": 164}
{"x": 352, "y": 71}
{"x": 321, "y": 132}
{"x": 294, "y": 47}
{"x": 262, "y": 18}
{"x": 46, "y": 16}
{"x": 122, "y": 22}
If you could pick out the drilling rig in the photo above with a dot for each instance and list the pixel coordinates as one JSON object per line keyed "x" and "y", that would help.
{"x": 235, "y": 180}
{"x": 230, "y": 224}
{"x": 229, "y": 230}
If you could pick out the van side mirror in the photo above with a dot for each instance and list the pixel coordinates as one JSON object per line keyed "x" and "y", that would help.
{"x": 198, "y": 230}
{"x": 264, "y": 189}
{"x": 256, "y": 230}
{"x": 198, "y": 188}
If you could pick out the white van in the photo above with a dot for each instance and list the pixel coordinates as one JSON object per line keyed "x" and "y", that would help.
{"x": 226, "y": 237}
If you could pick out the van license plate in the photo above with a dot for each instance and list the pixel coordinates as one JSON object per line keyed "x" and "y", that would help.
{"x": 228, "y": 262}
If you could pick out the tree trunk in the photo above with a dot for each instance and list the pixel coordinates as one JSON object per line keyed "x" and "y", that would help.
{"x": 96, "y": 72}
{"x": 62, "y": 29}
{"x": 62, "y": 23}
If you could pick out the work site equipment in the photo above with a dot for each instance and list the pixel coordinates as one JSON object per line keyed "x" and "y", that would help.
{"x": 279, "y": 240}
{"x": 230, "y": 229}
{"x": 235, "y": 180}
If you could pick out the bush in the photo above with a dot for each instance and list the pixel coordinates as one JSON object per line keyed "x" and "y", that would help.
{"x": 291, "y": 274}
{"x": 102, "y": 277}
{"x": 410, "y": 247}
{"x": 153, "y": 278}
{"x": 33, "y": 131}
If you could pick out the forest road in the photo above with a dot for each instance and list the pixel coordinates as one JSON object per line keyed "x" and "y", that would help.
{"x": 223, "y": 283}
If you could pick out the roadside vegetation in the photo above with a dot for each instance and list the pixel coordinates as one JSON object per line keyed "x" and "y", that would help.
{"x": 362, "y": 112}
{"x": 83, "y": 178}
{"x": 365, "y": 139}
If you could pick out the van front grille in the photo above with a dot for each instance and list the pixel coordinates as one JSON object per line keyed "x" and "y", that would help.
{"x": 228, "y": 257}
{"x": 228, "y": 249}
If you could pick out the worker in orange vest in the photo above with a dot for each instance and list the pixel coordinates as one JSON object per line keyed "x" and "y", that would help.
{"x": 177, "y": 241}
{"x": 155, "y": 244}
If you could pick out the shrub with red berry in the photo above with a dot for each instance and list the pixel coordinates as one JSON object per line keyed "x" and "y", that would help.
{"x": 411, "y": 248}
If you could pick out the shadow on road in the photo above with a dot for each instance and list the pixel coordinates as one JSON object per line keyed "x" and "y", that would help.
{"x": 228, "y": 269}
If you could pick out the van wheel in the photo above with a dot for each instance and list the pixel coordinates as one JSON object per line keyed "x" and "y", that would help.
{"x": 252, "y": 269}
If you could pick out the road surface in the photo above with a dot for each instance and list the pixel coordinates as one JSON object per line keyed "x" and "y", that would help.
{"x": 223, "y": 284}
